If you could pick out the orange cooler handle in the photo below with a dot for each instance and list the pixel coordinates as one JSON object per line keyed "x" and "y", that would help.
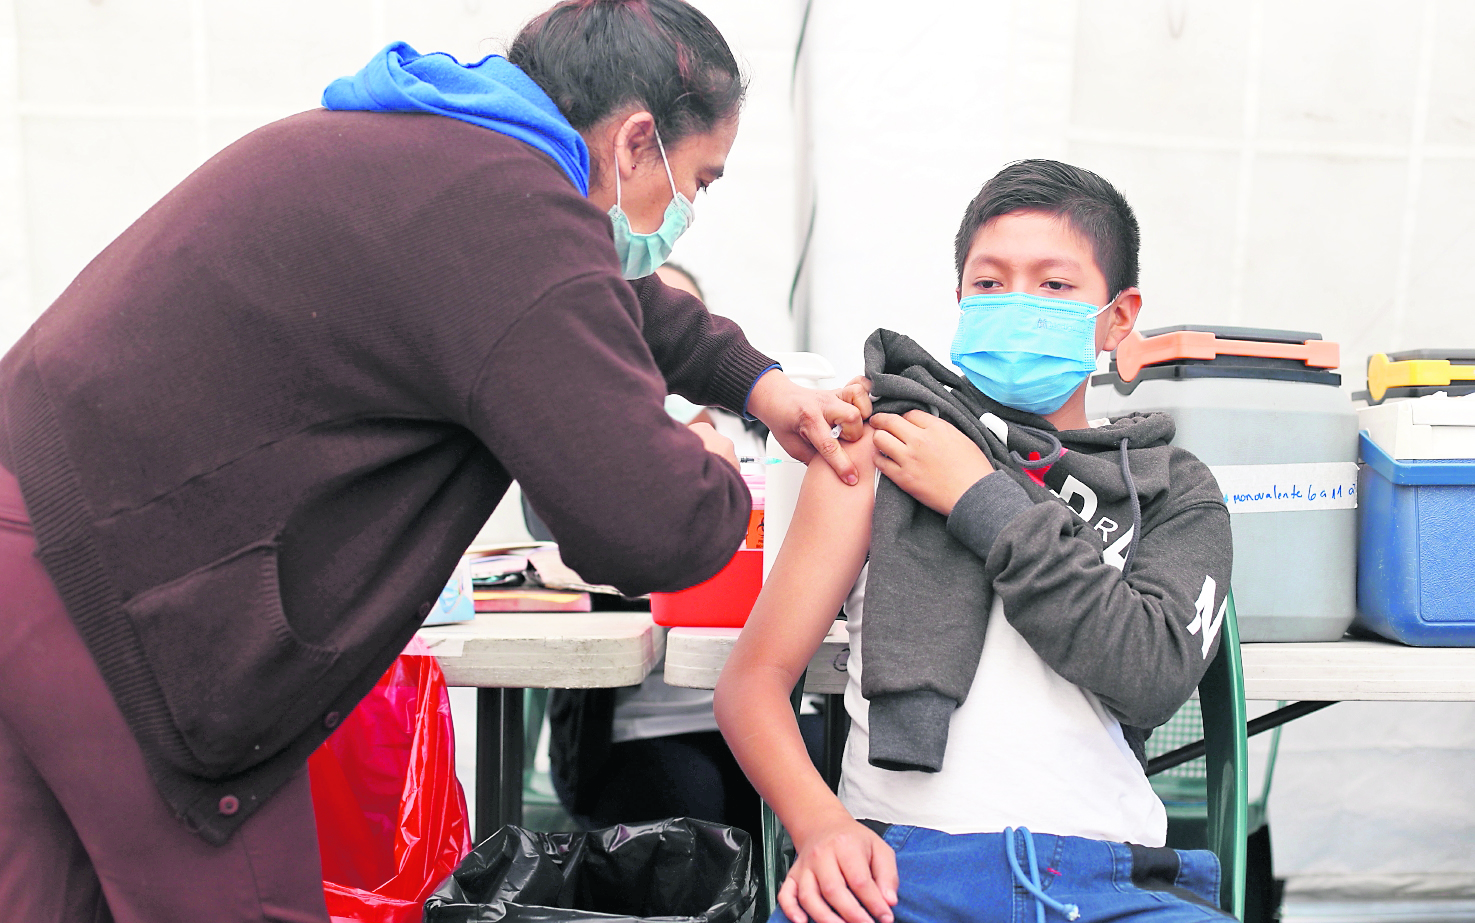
{"x": 1137, "y": 351}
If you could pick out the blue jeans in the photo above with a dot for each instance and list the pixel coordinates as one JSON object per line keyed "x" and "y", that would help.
{"x": 966, "y": 878}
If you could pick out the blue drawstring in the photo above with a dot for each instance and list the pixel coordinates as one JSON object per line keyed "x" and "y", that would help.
{"x": 1032, "y": 882}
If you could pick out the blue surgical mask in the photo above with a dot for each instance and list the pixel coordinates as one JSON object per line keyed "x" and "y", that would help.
{"x": 1026, "y": 351}
{"x": 641, "y": 254}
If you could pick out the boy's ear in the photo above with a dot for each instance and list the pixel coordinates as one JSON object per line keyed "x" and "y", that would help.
{"x": 1121, "y": 317}
{"x": 958, "y": 293}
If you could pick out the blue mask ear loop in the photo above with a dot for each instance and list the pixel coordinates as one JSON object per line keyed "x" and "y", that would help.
{"x": 1032, "y": 883}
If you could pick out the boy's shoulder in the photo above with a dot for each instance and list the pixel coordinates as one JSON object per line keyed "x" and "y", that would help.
{"x": 1192, "y": 479}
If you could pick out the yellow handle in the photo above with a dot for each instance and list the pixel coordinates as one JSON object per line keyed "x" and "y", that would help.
{"x": 1383, "y": 373}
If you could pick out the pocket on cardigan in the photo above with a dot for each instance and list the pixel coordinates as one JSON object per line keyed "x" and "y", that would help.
{"x": 236, "y": 678}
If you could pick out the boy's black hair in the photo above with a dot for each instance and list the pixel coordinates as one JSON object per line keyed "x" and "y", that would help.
{"x": 1091, "y": 205}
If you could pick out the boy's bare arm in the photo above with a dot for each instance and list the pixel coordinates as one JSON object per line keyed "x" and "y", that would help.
{"x": 843, "y": 871}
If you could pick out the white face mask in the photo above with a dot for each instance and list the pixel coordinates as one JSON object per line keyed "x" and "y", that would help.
{"x": 642, "y": 254}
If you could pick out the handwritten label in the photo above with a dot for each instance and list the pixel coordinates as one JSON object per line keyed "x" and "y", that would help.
{"x": 1279, "y": 488}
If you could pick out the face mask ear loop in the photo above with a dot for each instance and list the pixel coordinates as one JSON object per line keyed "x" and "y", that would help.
{"x": 667, "y": 162}
{"x": 1104, "y": 308}
{"x": 617, "y": 178}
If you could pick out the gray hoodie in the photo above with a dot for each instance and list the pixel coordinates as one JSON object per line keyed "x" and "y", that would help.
{"x": 1109, "y": 548}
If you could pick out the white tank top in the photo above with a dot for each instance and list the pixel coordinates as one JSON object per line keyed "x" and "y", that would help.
{"x": 1026, "y": 749}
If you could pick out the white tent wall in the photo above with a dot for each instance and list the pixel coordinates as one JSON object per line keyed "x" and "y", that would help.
{"x": 1303, "y": 164}
{"x": 107, "y": 104}
{"x": 911, "y": 107}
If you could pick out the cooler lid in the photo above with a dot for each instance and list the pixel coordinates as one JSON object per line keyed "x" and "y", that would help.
{"x": 1415, "y": 472}
{"x": 1262, "y": 334}
{"x": 1453, "y": 355}
{"x": 1189, "y": 342}
{"x": 1417, "y": 368}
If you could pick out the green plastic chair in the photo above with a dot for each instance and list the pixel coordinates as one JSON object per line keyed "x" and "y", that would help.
{"x": 1183, "y": 788}
{"x": 1226, "y": 782}
{"x": 1221, "y": 694}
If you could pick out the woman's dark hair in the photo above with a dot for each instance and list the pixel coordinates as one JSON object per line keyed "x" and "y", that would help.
{"x": 1091, "y": 205}
{"x": 593, "y": 57}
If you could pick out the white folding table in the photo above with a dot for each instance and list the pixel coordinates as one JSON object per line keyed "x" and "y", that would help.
{"x": 1310, "y": 676}
{"x": 1332, "y": 671}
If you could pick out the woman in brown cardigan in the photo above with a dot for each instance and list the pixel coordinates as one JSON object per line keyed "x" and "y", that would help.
{"x": 242, "y": 452}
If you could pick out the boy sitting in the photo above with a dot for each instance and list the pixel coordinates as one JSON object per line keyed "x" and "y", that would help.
{"x": 1027, "y": 593}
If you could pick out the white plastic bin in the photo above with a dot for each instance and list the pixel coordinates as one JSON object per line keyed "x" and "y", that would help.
{"x": 1282, "y": 441}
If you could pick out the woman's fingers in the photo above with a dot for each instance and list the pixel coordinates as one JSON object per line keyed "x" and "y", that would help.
{"x": 858, "y": 392}
{"x": 827, "y": 445}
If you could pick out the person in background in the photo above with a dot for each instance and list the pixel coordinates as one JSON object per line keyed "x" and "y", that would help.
{"x": 749, "y": 436}
{"x": 652, "y": 751}
{"x": 244, "y": 450}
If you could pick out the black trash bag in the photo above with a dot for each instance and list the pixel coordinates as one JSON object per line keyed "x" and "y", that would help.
{"x": 678, "y": 869}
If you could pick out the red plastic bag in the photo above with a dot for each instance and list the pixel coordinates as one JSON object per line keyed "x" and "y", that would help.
{"x": 391, "y": 815}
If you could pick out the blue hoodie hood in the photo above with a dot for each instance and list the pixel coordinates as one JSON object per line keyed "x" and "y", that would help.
{"x": 492, "y": 93}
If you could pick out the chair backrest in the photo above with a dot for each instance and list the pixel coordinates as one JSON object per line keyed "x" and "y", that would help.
{"x": 1222, "y": 697}
{"x": 1221, "y": 694}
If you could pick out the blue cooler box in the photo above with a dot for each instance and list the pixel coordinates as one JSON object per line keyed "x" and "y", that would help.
{"x": 1415, "y": 555}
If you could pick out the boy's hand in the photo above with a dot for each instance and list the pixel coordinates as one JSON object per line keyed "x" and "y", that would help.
{"x": 928, "y": 458}
{"x": 843, "y": 874}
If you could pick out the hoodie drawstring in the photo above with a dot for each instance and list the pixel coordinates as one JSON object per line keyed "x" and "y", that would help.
{"x": 1136, "y": 510}
{"x": 1056, "y": 450}
{"x": 1031, "y": 883}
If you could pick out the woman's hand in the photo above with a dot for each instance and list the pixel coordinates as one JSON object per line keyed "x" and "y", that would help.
{"x": 802, "y": 420}
{"x": 928, "y": 458}
{"x": 715, "y": 442}
{"x": 844, "y": 873}
{"x": 857, "y": 391}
